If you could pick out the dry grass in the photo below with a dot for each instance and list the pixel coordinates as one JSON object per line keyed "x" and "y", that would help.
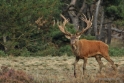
{"x": 60, "y": 69}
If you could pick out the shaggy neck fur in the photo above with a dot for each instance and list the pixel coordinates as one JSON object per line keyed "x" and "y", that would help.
{"x": 75, "y": 48}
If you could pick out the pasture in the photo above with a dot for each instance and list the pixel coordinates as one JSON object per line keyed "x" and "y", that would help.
{"x": 60, "y": 69}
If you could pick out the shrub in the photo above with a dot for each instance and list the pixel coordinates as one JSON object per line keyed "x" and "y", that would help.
{"x": 24, "y": 52}
{"x": 14, "y": 76}
{"x": 115, "y": 51}
{"x": 65, "y": 50}
{"x": 88, "y": 37}
{"x": 49, "y": 51}
{"x": 19, "y": 52}
{"x": 2, "y": 53}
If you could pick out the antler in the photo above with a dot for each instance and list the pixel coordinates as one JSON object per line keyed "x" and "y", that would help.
{"x": 88, "y": 22}
{"x": 62, "y": 27}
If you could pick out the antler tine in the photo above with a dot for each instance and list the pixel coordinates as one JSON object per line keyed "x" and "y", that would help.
{"x": 84, "y": 17}
{"x": 92, "y": 18}
{"x": 65, "y": 20}
{"x": 62, "y": 27}
{"x": 88, "y": 22}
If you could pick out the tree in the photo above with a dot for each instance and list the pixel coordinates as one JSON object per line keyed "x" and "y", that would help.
{"x": 17, "y": 22}
{"x": 75, "y": 9}
{"x": 104, "y": 12}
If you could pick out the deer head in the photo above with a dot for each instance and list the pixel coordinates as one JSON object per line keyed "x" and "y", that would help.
{"x": 74, "y": 37}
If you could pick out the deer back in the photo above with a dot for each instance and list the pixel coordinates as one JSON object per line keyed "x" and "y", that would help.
{"x": 89, "y": 48}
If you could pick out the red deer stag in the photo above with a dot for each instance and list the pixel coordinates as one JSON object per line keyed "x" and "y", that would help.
{"x": 83, "y": 49}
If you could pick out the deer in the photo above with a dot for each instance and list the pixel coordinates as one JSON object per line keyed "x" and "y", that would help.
{"x": 83, "y": 48}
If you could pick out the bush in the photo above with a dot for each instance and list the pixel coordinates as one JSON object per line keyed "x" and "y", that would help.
{"x": 25, "y": 52}
{"x": 14, "y": 76}
{"x": 20, "y": 52}
{"x": 65, "y": 50}
{"x": 55, "y": 51}
{"x": 2, "y": 53}
{"x": 49, "y": 51}
{"x": 114, "y": 51}
{"x": 88, "y": 37}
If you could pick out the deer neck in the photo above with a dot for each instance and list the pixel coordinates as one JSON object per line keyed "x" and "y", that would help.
{"x": 75, "y": 48}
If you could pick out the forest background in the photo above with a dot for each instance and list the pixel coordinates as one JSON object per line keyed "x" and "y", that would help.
{"x": 29, "y": 27}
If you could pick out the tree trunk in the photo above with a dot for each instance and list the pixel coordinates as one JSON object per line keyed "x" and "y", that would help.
{"x": 73, "y": 15}
{"x": 95, "y": 18}
{"x": 4, "y": 41}
{"x": 109, "y": 34}
{"x": 82, "y": 8}
{"x": 101, "y": 28}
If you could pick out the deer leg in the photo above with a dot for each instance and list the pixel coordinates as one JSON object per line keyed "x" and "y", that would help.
{"x": 111, "y": 62}
{"x": 76, "y": 60}
{"x": 98, "y": 59}
{"x": 84, "y": 65}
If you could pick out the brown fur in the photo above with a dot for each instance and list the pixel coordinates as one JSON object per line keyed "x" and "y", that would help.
{"x": 90, "y": 48}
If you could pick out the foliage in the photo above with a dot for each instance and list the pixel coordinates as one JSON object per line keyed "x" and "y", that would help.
{"x": 20, "y": 36}
{"x": 114, "y": 9}
{"x": 17, "y": 23}
{"x": 14, "y": 76}
{"x": 119, "y": 22}
{"x": 65, "y": 50}
{"x": 89, "y": 2}
{"x": 2, "y": 53}
{"x": 54, "y": 51}
{"x": 70, "y": 28}
{"x": 49, "y": 50}
{"x": 88, "y": 37}
{"x": 115, "y": 51}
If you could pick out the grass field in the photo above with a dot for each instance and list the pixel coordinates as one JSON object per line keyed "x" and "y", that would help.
{"x": 60, "y": 69}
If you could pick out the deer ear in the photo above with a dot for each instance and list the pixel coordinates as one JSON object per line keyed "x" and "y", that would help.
{"x": 78, "y": 36}
{"x": 68, "y": 37}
